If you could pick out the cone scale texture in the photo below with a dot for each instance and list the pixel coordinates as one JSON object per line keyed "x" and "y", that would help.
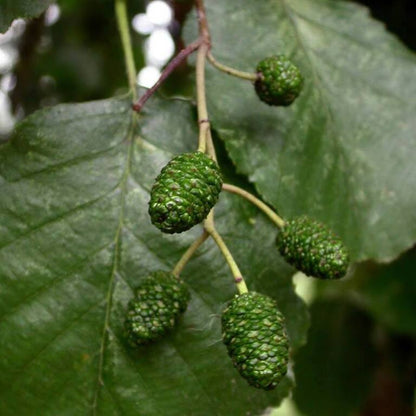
{"x": 253, "y": 331}
{"x": 184, "y": 192}
{"x": 158, "y": 303}
{"x": 313, "y": 248}
{"x": 280, "y": 81}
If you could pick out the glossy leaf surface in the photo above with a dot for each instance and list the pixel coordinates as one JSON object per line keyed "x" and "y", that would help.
{"x": 76, "y": 239}
{"x": 344, "y": 152}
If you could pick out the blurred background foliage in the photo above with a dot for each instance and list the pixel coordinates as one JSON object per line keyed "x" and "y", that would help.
{"x": 75, "y": 56}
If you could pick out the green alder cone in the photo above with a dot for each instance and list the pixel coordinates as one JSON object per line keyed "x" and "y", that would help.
{"x": 313, "y": 248}
{"x": 156, "y": 307}
{"x": 184, "y": 192}
{"x": 253, "y": 329}
{"x": 280, "y": 81}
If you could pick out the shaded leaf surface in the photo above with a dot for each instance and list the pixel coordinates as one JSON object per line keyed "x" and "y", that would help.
{"x": 389, "y": 293}
{"x": 334, "y": 371}
{"x": 344, "y": 151}
{"x": 12, "y": 9}
{"x": 75, "y": 239}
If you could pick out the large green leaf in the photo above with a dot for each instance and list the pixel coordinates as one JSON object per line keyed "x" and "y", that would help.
{"x": 344, "y": 152}
{"x": 12, "y": 9}
{"x": 75, "y": 239}
{"x": 335, "y": 369}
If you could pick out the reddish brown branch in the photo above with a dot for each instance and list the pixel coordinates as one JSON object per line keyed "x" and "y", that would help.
{"x": 174, "y": 63}
{"x": 203, "y": 22}
{"x": 204, "y": 38}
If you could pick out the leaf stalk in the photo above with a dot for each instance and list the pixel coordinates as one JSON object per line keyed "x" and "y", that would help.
{"x": 123, "y": 27}
{"x": 238, "y": 277}
{"x": 255, "y": 201}
{"x": 232, "y": 71}
{"x": 180, "y": 265}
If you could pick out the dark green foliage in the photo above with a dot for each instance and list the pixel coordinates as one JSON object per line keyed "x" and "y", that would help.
{"x": 326, "y": 155}
{"x": 159, "y": 301}
{"x": 313, "y": 248}
{"x": 253, "y": 329}
{"x": 339, "y": 358}
{"x": 10, "y": 10}
{"x": 79, "y": 258}
{"x": 280, "y": 81}
{"x": 184, "y": 192}
{"x": 75, "y": 229}
{"x": 389, "y": 291}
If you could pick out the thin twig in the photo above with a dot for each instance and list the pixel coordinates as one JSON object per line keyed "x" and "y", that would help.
{"x": 210, "y": 146}
{"x": 123, "y": 27}
{"x": 238, "y": 277}
{"x": 202, "y": 21}
{"x": 232, "y": 71}
{"x": 203, "y": 121}
{"x": 255, "y": 201}
{"x": 205, "y": 136}
{"x": 173, "y": 64}
{"x": 189, "y": 253}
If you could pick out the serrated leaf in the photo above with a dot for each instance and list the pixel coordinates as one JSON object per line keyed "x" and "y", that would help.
{"x": 12, "y": 9}
{"x": 75, "y": 239}
{"x": 344, "y": 152}
{"x": 335, "y": 368}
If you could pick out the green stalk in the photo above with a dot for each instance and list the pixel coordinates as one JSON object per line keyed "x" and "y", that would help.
{"x": 180, "y": 265}
{"x": 255, "y": 201}
{"x": 123, "y": 27}
{"x": 204, "y": 125}
{"x": 231, "y": 71}
{"x": 238, "y": 277}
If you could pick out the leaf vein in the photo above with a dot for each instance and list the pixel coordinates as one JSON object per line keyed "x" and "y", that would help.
{"x": 117, "y": 243}
{"x": 61, "y": 217}
{"x": 31, "y": 296}
{"x": 63, "y": 164}
{"x": 26, "y": 365}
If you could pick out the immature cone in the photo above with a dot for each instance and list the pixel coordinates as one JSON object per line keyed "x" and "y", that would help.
{"x": 159, "y": 301}
{"x": 280, "y": 81}
{"x": 184, "y": 192}
{"x": 253, "y": 330}
{"x": 313, "y": 248}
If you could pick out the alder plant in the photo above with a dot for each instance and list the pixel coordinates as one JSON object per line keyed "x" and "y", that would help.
{"x": 146, "y": 272}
